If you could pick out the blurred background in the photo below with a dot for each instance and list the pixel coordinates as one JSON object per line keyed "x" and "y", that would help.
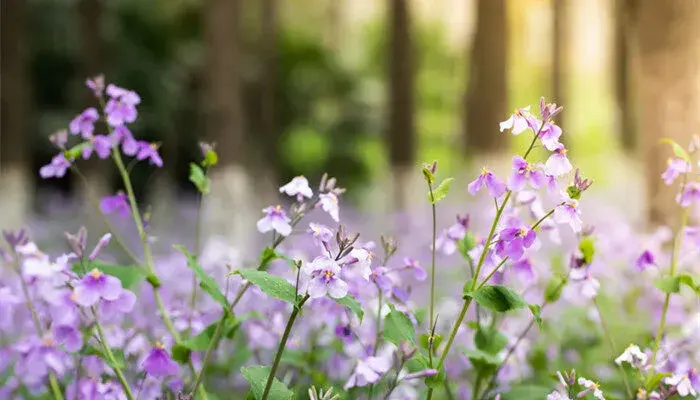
{"x": 361, "y": 89}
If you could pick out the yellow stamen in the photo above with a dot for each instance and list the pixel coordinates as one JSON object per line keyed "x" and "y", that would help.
{"x": 96, "y": 273}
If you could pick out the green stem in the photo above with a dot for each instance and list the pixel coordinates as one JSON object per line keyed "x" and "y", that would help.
{"x": 674, "y": 262}
{"x": 613, "y": 348}
{"x": 482, "y": 258}
{"x": 217, "y": 334}
{"x": 197, "y": 234}
{"x": 282, "y": 345}
{"x": 379, "y": 322}
{"x": 112, "y": 360}
{"x": 432, "y": 267}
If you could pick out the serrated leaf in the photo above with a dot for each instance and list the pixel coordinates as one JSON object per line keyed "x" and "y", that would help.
{"x": 678, "y": 150}
{"x": 257, "y": 378}
{"x": 498, "y": 298}
{"x": 398, "y": 327}
{"x": 587, "y": 248}
{"x": 536, "y": 310}
{"x": 554, "y": 288}
{"x": 490, "y": 340}
{"x": 441, "y": 191}
{"x": 206, "y": 282}
{"x": 668, "y": 284}
{"x": 272, "y": 285}
{"x": 352, "y": 304}
{"x": 199, "y": 178}
{"x": 130, "y": 276}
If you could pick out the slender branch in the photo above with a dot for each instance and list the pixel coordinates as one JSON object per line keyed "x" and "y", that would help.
{"x": 110, "y": 357}
{"x": 432, "y": 267}
{"x": 613, "y": 348}
{"x": 282, "y": 345}
{"x": 197, "y": 238}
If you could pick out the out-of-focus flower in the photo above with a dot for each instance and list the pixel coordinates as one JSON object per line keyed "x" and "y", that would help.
{"x": 555, "y": 395}
{"x": 590, "y": 387}
{"x": 56, "y": 168}
{"x": 149, "y": 151}
{"x": 100, "y": 144}
{"x": 321, "y": 233}
{"x": 362, "y": 259}
{"x": 368, "y": 371}
{"x": 418, "y": 271}
{"x": 84, "y": 124}
{"x": 325, "y": 278}
{"x": 675, "y": 168}
{"x": 117, "y": 204}
{"x": 494, "y": 186}
{"x": 319, "y": 394}
{"x": 513, "y": 240}
{"x": 524, "y": 172}
{"x": 549, "y": 135}
{"x": 275, "y": 219}
{"x": 96, "y": 84}
{"x": 558, "y": 164}
{"x": 682, "y": 384}
{"x": 329, "y": 203}
{"x": 632, "y": 355}
{"x": 568, "y": 213}
{"x": 689, "y": 194}
{"x": 59, "y": 139}
{"x": 95, "y": 286}
{"x": 645, "y": 260}
{"x": 121, "y": 107}
{"x": 298, "y": 187}
{"x": 158, "y": 363}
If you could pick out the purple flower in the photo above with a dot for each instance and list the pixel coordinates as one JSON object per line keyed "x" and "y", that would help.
{"x": 548, "y": 110}
{"x": 298, "y": 187}
{"x": 568, "y": 213}
{"x": 56, "y": 169}
{"x": 119, "y": 204}
{"x": 149, "y": 151}
{"x": 344, "y": 332}
{"x": 494, "y": 186}
{"x": 418, "y": 271}
{"x": 121, "y": 107}
{"x": 525, "y": 270}
{"x": 519, "y": 121}
{"x": 645, "y": 260}
{"x": 122, "y": 134}
{"x": 158, "y": 363}
{"x": 513, "y": 241}
{"x": 104, "y": 241}
{"x": 95, "y": 286}
{"x": 424, "y": 373}
{"x": 368, "y": 371}
{"x": 523, "y": 173}
{"x": 38, "y": 358}
{"x": 383, "y": 282}
{"x": 549, "y": 135}
{"x": 84, "y": 123}
{"x": 329, "y": 203}
{"x": 69, "y": 337}
{"x": 100, "y": 144}
{"x": 321, "y": 233}
{"x": 8, "y": 303}
{"x": 558, "y": 164}
{"x": 361, "y": 258}
{"x": 689, "y": 194}
{"x": 675, "y": 168}
{"x": 325, "y": 279}
{"x": 96, "y": 84}
{"x": 275, "y": 219}
{"x": 59, "y": 139}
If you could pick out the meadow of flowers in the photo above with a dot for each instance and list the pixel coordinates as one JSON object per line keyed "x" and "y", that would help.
{"x": 527, "y": 295}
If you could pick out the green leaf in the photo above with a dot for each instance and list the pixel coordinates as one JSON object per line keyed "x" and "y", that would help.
{"x": 490, "y": 340}
{"x": 678, "y": 150}
{"x": 482, "y": 360}
{"x": 693, "y": 282}
{"x": 206, "y": 282}
{"x": 465, "y": 244}
{"x": 130, "y": 276}
{"x": 554, "y": 288}
{"x": 668, "y": 284}
{"x": 199, "y": 178}
{"x": 428, "y": 174}
{"x": 200, "y": 342}
{"x": 398, "y": 327}
{"x": 272, "y": 285}
{"x": 266, "y": 257}
{"x": 653, "y": 380}
{"x": 587, "y": 248}
{"x": 536, "y": 310}
{"x": 573, "y": 192}
{"x": 75, "y": 151}
{"x": 119, "y": 360}
{"x": 210, "y": 158}
{"x": 180, "y": 353}
{"x": 498, "y": 298}
{"x": 352, "y": 304}
{"x": 257, "y": 378}
{"x": 441, "y": 191}
{"x": 436, "y": 380}
{"x": 424, "y": 341}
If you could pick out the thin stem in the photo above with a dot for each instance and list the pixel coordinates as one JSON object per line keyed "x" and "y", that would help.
{"x": 197, "y": 238}
{"x": 482, "y": 258}
{"x": 282, "y": 345}
{"x": 674, "y": 262}
{"x": 207, "y": 355}
{"x": 379, "y": 322}
{"x": 112, "y": 360}
{"x": 432, "y": 267}
{"x": 613, "y": 348}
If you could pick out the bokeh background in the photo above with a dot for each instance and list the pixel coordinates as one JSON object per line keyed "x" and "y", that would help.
{"x": 361, "y": 89}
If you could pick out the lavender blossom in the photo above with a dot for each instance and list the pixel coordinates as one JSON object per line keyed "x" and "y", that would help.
{"x": 494, "y": 186}
{"x": 158, "y": 363}
{"x": 56, "y": 168}
{"x": 275, "y": 219}
{"x": 325, "y": 279}
{"x": 84, "y": 124}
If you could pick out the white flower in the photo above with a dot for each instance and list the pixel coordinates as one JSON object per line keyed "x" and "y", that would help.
{"x": 632, "y": 355}
{"x": 275, "y": 219}
{"x": 329, "y": 203}
{"x": 682, "y": 385}
{"x": 590, "y": 386}
{"x": 557, "y": 396}
{"x": 299, "y": 187}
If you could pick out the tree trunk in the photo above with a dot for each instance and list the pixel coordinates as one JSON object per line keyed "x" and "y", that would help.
{"x": 401, "y": 129}
{"x": 231, "y": 206}
{"x": 622, "y": 75}
{"x": 486, "y": 100}
{"x": 560, "y": 58}
{"x": 15, "y": 116}
{"x": 668, "y": 37}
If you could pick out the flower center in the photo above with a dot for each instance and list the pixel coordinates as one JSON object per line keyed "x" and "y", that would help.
{"x": 159, "y": 345}
{"x": 328, "y": 275}
{"x": 95, "y": 273}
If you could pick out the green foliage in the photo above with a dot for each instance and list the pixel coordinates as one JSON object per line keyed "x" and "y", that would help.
{"x": 536, "y": 313}
{"x": 257, "y": 378}
{"x": 199, "y": 178}
{"x": 668, "y": 284}
{"x": 527, "y": 392}
{"x": 398, "y": 327}
{"x": 353, "y": 305}
{"x": 490, "y": 340}
{"x": 466, "y": 244}
{"x": 441, "y": 191}
{"x": 554, "y": 288}
{"x": 272, "y": 285}
{"x": 587, "y": 248}
{"x": 678, "y": 150}
{"x": 206, "y": 282}
{"x": 482, "y": 361}
{"x": 497, "y": 298}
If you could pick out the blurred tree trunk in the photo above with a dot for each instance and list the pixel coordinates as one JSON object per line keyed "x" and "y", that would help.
{"x": 560, "y": 55}
{"x": 401, "y": 128}
{"x": 668, "y": 35}
{"x": 98, "y": 173}
{"x": 622, "y": 74}
{"x": 333, "y": 26}
{"x": 486, "y": 99}
{"x": 231, "y": 207}
{"x": 15, "y": 116}
{"x": 269, "y": 153}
